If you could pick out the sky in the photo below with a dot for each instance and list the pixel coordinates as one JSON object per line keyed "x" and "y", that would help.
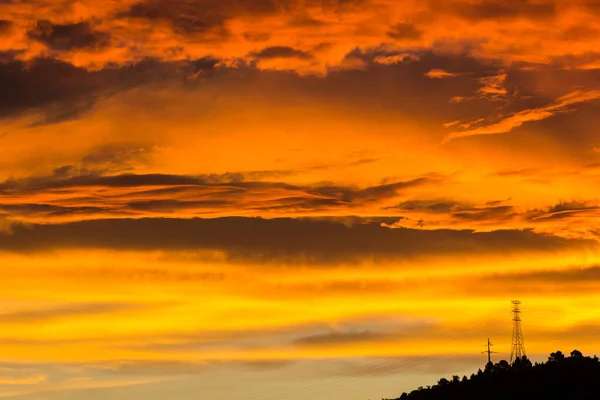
{"x": 300, "y": 199}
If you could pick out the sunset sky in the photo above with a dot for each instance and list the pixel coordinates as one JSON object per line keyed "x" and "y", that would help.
{"x": 292, "y": 199}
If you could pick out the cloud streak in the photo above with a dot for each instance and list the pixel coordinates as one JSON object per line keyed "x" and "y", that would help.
{"x": 507, "y": 124}
{"x": 278, "y": 240}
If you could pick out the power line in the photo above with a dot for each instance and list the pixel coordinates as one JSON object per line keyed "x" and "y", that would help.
{"x": 489, "y": 351}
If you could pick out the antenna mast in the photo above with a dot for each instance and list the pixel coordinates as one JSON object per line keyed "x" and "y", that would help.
{"x": 518, "y": 344}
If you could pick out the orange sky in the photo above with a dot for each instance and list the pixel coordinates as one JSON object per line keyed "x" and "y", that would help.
{"x": 332, "y": 199}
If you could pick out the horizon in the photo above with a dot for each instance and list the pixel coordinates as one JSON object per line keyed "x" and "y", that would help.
{"x": 328, "y": 200}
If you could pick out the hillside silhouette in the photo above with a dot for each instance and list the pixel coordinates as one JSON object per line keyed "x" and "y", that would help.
{"x": 575, "y": 377}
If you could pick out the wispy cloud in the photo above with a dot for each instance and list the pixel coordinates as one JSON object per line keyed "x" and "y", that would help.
{"x": 67, "y": 311}
{"x": 441, "y": 74}
{"x": 516, "y": 120}
{"x": 28, "y": 380}
{"x": 493, "y": 86}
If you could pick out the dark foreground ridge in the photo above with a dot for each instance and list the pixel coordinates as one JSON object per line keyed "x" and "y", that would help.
{"x": 576, "y": 377}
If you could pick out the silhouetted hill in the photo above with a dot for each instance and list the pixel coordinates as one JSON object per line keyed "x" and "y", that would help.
{"x": 576, "y": 377}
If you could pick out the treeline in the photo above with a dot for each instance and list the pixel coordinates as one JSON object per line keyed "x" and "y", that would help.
{"x": 575, "y": 377}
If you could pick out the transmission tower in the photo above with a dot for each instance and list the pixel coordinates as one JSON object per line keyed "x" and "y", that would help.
{"x": 518, "y": 344}
{"x": 489, "y": 351}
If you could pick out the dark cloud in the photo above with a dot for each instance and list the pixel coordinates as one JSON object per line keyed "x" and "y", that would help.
{"x": 29, "y": 210}
{"x": 109, "y": 159}
{"x": 117, "y": 157}
{"x": 191, "y": 16}
{"x": 563, "y": 210}
{"x": 492, "y": 212}
{"x": 5, "y": 26}
{"x": 171, "y": 206}
{"x": 257, "y": 36}
{"x": 204, "y": 193}
{"x": 184, "y": 17}
{"x": 374, "y": 193}
{"x": 501, "y": 9}
{"x": 206, "y": 18}
{"x": 69, "y": 36}
{"x": 281, "y": 52}
{"x": 278, "y": 240}
{"x": 571, "y": 206}
{"x": 407, "y": 75}
{"x": 433, "y": 206}
{"x": 306, "y": 21}
{"x": 80, "y": 181}
{"x": 72, "y": 310}
{"x": 405, "y": 31}
{"x": 499, "y": 213}
{"x": 386, "y": 73}
{"x": 579, "y": 32}
{"x": 62, "y": 91}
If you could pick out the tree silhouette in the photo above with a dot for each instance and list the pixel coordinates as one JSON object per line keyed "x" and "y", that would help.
{"x": 576, "y": 377}
{"x": 556, "y": 357}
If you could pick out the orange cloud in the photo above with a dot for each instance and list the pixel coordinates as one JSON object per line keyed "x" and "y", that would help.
{"x": 184, "y": 29}
{"x": 440, "y": 74}
{"x": 516, "y": 120}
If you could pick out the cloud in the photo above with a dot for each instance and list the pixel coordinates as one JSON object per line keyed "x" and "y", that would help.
{"x": 564, "y": 218}
{"x": 541, "y": 280}
{"x": 393, "y": 59}
{"x": 579, "y": 33}
{"x": 71, "y": 192}
{"x": 184, "y": 17}
{"x": 61, "y": 91}
{"x": 485, "y": 214}
{"x": 72, "y": 310}
{"x": 503, "y": 9}
{"x": 6, "y": 224}
{"x": 194, "y": 18}
{"x": 99, "y": 187}
{"x": 440, "y": 74}
{"x": 282, "y": 240}
{"x": 5, "y": 26}
{"x": 564, "y": 276}
{"x": 405, "y": 31}
{"x": 280, "y": 52}
{"x": 435, "y": 206}
{"x": 285, "y": 58}
{"x": 29, "y": 380}
{"x": 373, "y": 329}
{"x": 517, "y": 119}
{"x": 341, "y": 338}
{"x": 69, "y": 36}
{"x": 110, "y": 159}
{"x": 517, "y": 172}
{"x": 493, "y": 86}
{"x": 451, "y": 123}
{"x": 591, "y": 65}
{"x": 177, "y": 30}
